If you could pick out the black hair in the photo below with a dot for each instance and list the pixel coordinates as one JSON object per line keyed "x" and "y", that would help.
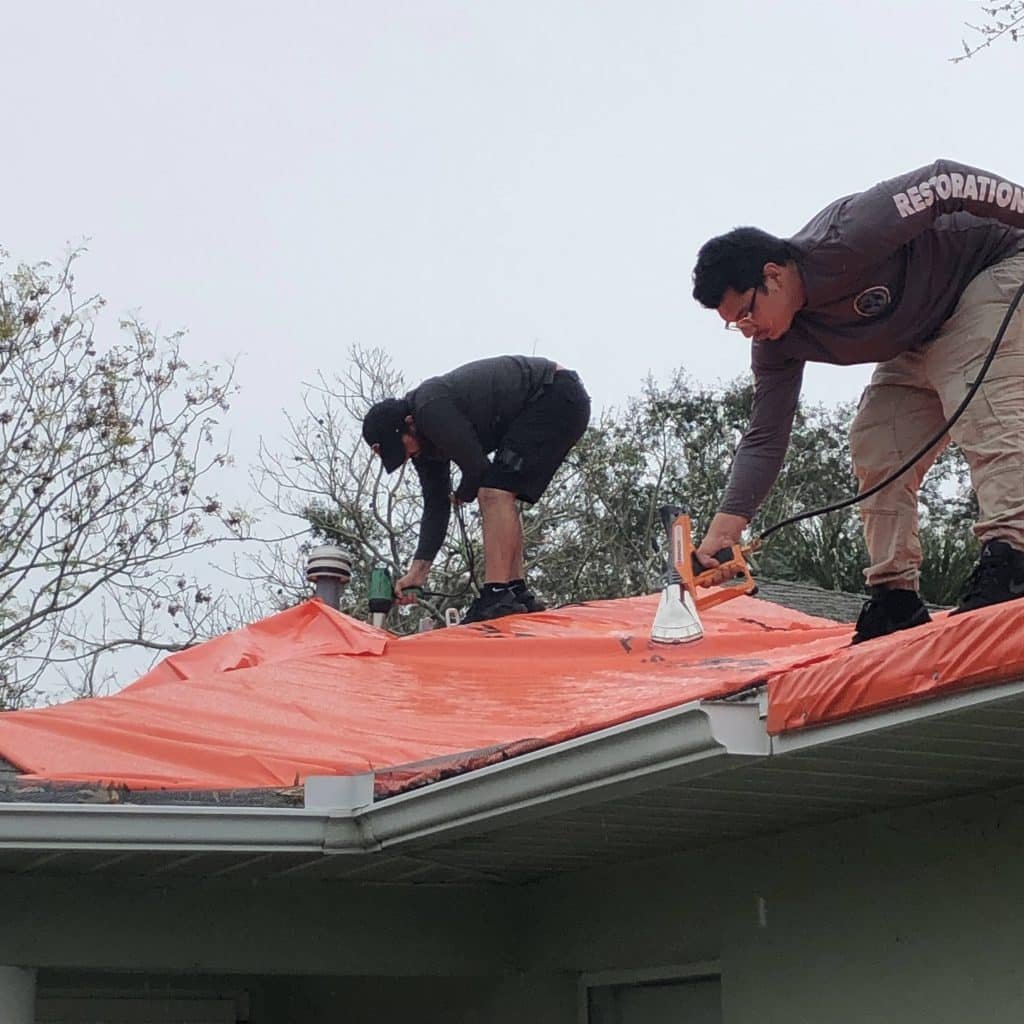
{"x": 736, "y": 260}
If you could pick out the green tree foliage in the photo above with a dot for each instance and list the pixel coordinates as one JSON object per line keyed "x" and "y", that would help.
{"x": 948, "y": 510}
{"x": 674, "y": 444}
{"x": 105, "y": 451}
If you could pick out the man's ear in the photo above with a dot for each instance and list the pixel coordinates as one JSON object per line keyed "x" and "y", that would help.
{"x": 772, "y": 272}
{"x": 409, "y": 421}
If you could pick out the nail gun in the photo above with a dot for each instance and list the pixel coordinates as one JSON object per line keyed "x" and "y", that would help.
{"x": 381, "y": 598}
{"x": 381, "y": 595}
{"x": 677, "y": 620}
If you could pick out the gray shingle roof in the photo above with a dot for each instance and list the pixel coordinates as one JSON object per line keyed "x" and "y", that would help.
{"x": 838, "y": 605}
{"x": 812, "y": 599}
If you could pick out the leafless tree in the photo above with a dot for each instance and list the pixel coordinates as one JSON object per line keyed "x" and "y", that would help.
{"x": 328, "y": 483}
{"x": 1000, "y": 21}
{"x": 106, "y": 451}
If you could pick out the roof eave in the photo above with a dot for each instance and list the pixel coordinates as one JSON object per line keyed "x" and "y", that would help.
{"x": 906, "y": 714}
{"x": 695, "y": 739}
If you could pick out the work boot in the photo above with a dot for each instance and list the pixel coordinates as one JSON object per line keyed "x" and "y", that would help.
{"x": 493, "y": 604}
{"x": 888, "y": 611}
{"x": 526, "y": 597}
{"x": 998, "y": 577}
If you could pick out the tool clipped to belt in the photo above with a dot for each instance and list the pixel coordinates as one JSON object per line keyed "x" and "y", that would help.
{"x": 677, "y": 620}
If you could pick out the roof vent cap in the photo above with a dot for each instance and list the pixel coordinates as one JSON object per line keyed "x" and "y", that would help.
{"x": 330, "y": 561}
{"x": 330, "y": 569}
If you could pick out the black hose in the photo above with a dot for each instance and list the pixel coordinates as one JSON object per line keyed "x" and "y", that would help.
{"x": 972, "y": 391}
{"x": 467, "y": 545}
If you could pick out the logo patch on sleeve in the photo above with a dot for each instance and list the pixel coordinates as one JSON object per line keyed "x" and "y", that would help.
{"x": 872, "y": 301}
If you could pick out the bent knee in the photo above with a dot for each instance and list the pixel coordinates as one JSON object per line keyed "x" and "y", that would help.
{"x": 494, "y": 496}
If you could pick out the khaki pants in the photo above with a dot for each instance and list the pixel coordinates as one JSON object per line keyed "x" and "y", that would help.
{"x": 908, "y": 400}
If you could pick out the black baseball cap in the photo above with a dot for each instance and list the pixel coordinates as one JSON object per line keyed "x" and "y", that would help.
{"x": 384, "y": 426}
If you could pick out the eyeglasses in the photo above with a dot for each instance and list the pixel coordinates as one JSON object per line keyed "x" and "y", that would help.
{"x": 743, "y": 320}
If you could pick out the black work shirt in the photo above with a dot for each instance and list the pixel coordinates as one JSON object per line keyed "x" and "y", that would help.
{"x": 461, "y": 417}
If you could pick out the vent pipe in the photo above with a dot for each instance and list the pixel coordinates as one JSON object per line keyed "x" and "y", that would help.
{"x": 329, "y": 569}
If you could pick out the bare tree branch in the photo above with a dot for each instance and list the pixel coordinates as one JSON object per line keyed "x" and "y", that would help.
{"x": 105, "y": 450}
{"x": 1004, "y": 19}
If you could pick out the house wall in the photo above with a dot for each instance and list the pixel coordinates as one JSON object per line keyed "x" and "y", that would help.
{"x": 500, "y": 1000}
{"x": 287, "y": 999}
{"x": 313, "y": 928}
{"x": 299, "y": 952}
{"x": 915, "y": 915}
{"x": 271, "y": 998}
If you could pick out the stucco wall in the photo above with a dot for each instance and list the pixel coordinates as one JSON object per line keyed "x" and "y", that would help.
{"x": 319, "y": 928}
{"x": 319, "y": 999}
{"x": 908, "y": 916}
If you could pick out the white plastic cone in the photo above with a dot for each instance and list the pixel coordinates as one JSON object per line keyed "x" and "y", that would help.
{"x": 676, "y": 620}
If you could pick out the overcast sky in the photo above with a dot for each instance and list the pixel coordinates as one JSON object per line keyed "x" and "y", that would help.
{"x": 456, "y": 179}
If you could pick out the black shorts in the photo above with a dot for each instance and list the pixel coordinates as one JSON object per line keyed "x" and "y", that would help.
{"x": 539, "y": 438}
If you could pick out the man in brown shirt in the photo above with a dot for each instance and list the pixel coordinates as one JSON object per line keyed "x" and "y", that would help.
{"x": 915, "y": 275}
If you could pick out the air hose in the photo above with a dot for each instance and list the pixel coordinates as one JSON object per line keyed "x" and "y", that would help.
{"x": 957, "y": 413}
{"x": 467, "y": 544}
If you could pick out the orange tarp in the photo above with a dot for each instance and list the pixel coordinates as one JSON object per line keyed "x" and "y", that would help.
{"x": 311, "y": 691}
{"x": 948, "y": 654}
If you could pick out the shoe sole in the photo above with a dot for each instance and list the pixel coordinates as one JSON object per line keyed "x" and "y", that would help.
{"x": 499, "y": 613}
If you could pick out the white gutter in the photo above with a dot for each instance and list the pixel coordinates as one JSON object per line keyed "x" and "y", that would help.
{"x": 878, "y": 721}
{"x": 188, "y": 829}
{"x": 696, "y": 739}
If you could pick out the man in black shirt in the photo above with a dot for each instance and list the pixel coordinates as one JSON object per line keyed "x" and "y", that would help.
{"x": 916, "y": 275}
{"x": 529, "y": 412}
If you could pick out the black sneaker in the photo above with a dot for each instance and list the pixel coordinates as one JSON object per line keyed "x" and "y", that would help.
{"x": 527, "y": 598}
{"x": 492, "y": 605}
{"x": 888, "y": 611}
{"x": 998, "y": 577}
